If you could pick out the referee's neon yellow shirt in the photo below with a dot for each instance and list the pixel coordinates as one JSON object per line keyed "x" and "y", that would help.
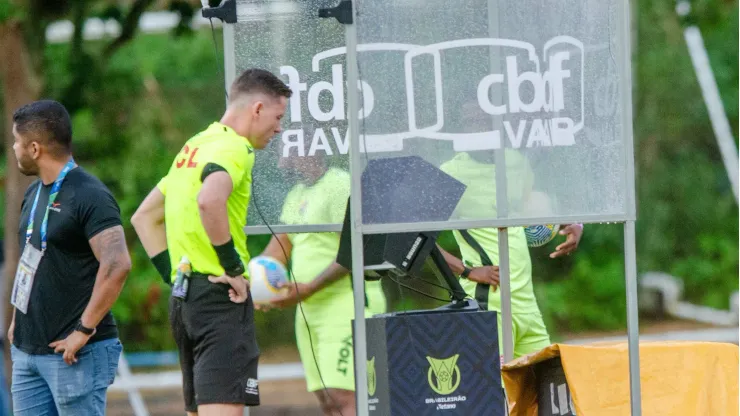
{"x": 186, "y": 236}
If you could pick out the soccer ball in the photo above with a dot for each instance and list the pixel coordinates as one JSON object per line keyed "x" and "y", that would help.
{"x": 539, "y": 235}
{"x": 265, "y": 277}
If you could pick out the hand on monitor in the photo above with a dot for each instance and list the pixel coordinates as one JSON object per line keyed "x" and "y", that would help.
{"x": 485, "y": 274}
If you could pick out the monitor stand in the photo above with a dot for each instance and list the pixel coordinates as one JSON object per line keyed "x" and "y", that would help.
{"x": 460, "y": 301}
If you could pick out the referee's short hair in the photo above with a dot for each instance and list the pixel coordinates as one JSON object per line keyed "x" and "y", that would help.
{"x": 255, "y": 80}
{"x": 47, "y": 122}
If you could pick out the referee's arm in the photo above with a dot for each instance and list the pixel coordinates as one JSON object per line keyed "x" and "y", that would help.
{"x": 214, "y": 215}
{"x": 212, "y": 200}
{"x": 148, "y": 222}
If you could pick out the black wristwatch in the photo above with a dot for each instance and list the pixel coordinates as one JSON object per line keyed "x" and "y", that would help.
{"x": 83, "y": 329}
{"x": 466, "y": 272}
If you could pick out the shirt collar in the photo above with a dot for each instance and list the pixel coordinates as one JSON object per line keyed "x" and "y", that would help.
{"x": 226, "y": 129}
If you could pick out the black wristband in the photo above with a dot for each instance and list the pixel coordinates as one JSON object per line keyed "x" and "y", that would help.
{"x": 229, "y": 259}
{"x": 466, "y": 272}
{"x": 161, "y": 262}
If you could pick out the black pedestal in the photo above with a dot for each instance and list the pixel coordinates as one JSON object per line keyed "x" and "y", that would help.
{"x": 434, "y": 363}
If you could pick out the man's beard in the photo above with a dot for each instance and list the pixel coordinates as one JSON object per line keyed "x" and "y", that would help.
{"x": 28, "y": 168}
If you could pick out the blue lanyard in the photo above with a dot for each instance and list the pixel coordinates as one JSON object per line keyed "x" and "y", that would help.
{"x": 52, "y": 197}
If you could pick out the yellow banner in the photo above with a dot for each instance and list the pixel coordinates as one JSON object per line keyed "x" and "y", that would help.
{"x": 677, "y": 378}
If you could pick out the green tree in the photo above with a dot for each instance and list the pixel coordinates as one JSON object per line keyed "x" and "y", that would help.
{"x": 24, "y": 70}
{"x": 687, "y": 215}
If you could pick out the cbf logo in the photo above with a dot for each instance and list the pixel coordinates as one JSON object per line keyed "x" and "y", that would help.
{"x": 443, "y": 375}
{"x": 537, "y": 98}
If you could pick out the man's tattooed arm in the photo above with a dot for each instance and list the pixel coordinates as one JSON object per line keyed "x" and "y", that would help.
{"x": 110, "y": 249}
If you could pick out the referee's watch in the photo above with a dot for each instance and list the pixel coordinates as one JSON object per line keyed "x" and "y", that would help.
{"x": 466, "y": 272}
{"x": 83, "y": 329}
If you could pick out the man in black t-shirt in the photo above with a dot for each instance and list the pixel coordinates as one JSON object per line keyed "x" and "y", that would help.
{"x": 65, "y": 346}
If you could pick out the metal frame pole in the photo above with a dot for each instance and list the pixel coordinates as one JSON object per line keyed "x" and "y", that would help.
{"x": 712, "y": 98}
{"x": 229, "y": 56}
{"x": 630, "y": 257}
{"x": 229, "y": 76}
{"x": 633, "y": 340}
{"x": 502, "y": 207}
{"x": 134, "y": 396}
{"x": 355, "y": 165}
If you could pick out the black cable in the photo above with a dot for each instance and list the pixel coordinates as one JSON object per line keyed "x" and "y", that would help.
{"x": 417, "y": 290}
{"x": 287, "y": 258}
{"x": 446, "y": 289}
{"x": 221, "y": 69}
{"x": 300, "y": 303}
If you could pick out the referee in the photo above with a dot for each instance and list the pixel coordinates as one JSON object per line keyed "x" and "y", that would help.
{"x": 199, "y": 211}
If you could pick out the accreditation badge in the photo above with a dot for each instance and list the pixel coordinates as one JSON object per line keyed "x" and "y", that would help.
{"x": 27, "y": 267}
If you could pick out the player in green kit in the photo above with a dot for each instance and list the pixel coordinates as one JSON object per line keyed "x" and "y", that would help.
{"x": 198, "y": 212}
{"x": 477, "y": 171}
{"x": 323, "y": 287}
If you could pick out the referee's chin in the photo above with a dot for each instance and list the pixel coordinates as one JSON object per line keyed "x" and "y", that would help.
{"x": 261, "y": 144}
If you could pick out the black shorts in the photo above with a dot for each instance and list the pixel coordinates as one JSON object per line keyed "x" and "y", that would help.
{"x": 217, "y": 346}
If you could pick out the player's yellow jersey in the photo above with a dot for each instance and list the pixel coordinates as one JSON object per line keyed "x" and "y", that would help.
{"x": 478, "y": 201}
{"x": 222, "y": 146}
{"x": 324, "y": 202}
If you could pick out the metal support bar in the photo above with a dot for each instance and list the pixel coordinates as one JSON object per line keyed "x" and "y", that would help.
{"x": 507, "y": 327}
{"x": 633, "y": 333}
{"x": 358, "y": 261}
{"x": 715, "y": 107}
{"x": 229, "y": 58}
{"x": 444, "y": 225}
{"x": 134, "y": 397}
{"x": 630, "y": 257}
{"x": 502, "y": 202}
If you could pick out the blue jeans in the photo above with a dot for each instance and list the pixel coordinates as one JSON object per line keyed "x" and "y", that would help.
{"x": 4, "y": 393}
{"x": 46, "y": 385}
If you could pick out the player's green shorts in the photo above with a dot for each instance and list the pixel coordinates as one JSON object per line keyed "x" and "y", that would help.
{"x": 528, "y": 333}
{"x": 330, "y": 326}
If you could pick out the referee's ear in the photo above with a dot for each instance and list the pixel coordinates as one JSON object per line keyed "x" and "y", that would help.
{"x": 257, "y": 107}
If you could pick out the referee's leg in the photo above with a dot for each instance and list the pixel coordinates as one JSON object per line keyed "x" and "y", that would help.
{"x": 185, "y": 353}
{"x": 225, "y": 349}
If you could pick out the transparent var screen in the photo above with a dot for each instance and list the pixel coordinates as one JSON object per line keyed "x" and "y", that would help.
{"x": 302, "y": 177}
{"x": 517, "y": 102}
